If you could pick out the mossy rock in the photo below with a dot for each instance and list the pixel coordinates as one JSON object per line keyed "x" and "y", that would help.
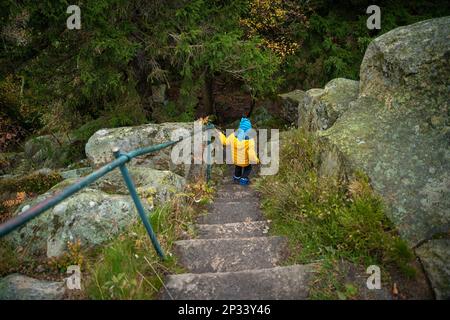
{"x": 37, "y": 182}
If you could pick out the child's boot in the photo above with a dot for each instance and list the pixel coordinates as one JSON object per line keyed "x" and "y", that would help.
{"x": 236, "y": 179}
{"x": 244, "y": 181}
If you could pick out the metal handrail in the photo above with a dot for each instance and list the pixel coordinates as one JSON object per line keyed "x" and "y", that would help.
{"x": 119, "y": 162}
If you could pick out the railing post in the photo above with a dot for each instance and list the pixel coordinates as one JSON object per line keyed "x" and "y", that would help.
{"x": 138, "y": 204}
{"x": 208, "y": 161}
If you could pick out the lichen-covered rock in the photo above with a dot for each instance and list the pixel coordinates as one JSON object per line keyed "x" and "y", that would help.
{"x": 435, "y": 257}
{"x": 408, "y": 61}
{"x": 99, "y": 147}
{"x": 19, "y": 287}
{"x": 333, "y": 164}
{"x": 320, "y": 108}
{"x": 290, "y": 105}
{"x": 388, "y": 130}
{"x": 154, "y": 186}
{"x": 91, "y": 216}
{"x": 398, "y": 132}
{"x": 94, "y": 215}
{"x": 75, "y": 173}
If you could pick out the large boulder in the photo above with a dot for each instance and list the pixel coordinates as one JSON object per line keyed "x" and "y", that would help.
{"x": 154, "y": 186}
{"x": 389, "y": 130}
{"x": 96, "y": 214}
{"x": 398, "y": 130}
{"x": 407, "y": 62}
{"x": 91, "y": 216}
{"x": 98, "y": 148}
{"x": 20, "y": 287}
{"x": 318, "y": 109}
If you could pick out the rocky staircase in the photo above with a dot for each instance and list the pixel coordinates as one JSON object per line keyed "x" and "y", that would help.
{"x": 233, "y": 257}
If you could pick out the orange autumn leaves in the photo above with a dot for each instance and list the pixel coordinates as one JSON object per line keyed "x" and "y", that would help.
{"x": 18, "y": 199}
{"x": 270, "y": 19}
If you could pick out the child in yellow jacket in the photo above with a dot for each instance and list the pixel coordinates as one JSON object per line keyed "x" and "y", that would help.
{"x": 242, "y": 151}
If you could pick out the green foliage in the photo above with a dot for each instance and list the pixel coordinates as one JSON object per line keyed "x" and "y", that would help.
{"x": 212, "y": 42}
{"x": 61, "y": 79}
{"x": 10, "y": 259}
{"x": 337, "y": 38}
{"x": 128, "y": 268}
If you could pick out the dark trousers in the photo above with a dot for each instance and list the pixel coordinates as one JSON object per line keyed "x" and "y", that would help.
{"x": 242, "y": 172}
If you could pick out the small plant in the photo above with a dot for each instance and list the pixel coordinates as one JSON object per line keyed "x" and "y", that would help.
{"x": 73, "y": 256}
{"x": 15, "y": 201}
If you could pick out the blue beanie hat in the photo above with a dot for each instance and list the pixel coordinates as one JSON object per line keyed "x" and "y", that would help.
{"x": 245, "y": 124}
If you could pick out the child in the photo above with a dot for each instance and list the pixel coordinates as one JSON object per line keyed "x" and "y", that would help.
{"x": 242, "y": 151}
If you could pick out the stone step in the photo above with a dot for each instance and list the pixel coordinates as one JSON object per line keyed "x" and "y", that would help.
{"x": 278, "y": 283}
{"x": 233, "y": 230}
{"x": 236, "y": 192}
{"x": 223, "y": 255}
{"x": 233, "y": 206}
{"x": 231, "y": 214}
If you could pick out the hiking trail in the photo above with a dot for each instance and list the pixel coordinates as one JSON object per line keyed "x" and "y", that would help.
{"x": 234, "y": 257}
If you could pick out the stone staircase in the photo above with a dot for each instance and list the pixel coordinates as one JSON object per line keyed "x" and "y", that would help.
{"x": 234, "y": 257}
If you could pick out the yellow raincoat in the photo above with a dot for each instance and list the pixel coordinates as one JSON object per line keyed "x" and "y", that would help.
{"x": 242, "y": 152}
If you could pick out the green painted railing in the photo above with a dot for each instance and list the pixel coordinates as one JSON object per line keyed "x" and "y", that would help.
{"x": 119, "y": 162}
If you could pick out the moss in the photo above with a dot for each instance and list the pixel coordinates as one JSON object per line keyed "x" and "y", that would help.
{"x": 32, "y": 183}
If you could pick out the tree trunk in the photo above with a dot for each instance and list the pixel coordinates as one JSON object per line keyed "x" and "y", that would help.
{"x": 208, "y": 96}
{"x": 252, "y": 106}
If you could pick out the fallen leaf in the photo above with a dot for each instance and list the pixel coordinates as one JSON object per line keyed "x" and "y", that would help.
{"x": 394, "y": 289}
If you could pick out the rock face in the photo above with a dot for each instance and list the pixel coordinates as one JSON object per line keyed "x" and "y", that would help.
{"x": 389, "y": 132}
{"x": 20, "y": 287}
{"x": 290, "y": 102}
{"x": 94, "y": 215}
{"x": 318, "y": 109}
{"x": 435, "y": 257}
{"x": 98, "y": 148}
{"x": 413, "y": 58}
{"x": 47, "y": 151}
{"x": 398, "y": 132}
{"x": 153, "y": 186}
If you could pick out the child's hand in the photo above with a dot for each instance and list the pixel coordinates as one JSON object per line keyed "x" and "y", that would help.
{"x": 204, "y": 120}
